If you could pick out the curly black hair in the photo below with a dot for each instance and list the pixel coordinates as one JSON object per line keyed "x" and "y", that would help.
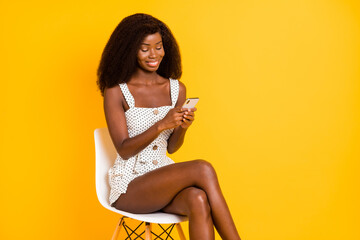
{"x": 119, "y": 58}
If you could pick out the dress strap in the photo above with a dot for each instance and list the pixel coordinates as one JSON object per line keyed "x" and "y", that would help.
{"x": 174, "y": 88}
{"x": 127, "y": 94}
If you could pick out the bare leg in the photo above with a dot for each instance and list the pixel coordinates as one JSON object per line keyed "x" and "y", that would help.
{"x": 193, "y": 203}
{"x": 155, "y": 190}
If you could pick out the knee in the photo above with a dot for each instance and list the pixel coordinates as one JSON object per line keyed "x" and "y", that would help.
{"x": 197, "y": 201}
{"x": 205, "y": 169}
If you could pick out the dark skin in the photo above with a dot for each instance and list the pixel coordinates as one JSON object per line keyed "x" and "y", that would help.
{"x": 188, "y": 188}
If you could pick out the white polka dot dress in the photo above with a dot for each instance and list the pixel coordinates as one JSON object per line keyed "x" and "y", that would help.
{"x": 138, "y": 120}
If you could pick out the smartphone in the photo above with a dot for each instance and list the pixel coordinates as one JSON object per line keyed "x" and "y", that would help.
{"x": 190, "y": 102}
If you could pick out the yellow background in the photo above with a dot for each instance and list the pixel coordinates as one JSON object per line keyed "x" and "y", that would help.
{"x": 278, "y": 116}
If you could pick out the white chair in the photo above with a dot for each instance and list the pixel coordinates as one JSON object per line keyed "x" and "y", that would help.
{"x": 105, "y": 156}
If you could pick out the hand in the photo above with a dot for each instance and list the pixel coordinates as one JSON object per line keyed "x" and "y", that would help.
{"x": 188, "y": 117}
{"x": 172, "y": 119}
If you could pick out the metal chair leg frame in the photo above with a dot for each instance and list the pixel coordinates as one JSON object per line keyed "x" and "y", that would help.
{"x": 148, "y": 232}
{"x": 170, "y": 228}
{"x": 164, "y": 231}
{"x": 126, "y": 227}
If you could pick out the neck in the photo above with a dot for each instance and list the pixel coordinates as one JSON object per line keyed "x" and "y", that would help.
{"x": 144, "y": 77}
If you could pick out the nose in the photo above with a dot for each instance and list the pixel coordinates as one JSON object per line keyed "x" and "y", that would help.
{"x": 152, "y": 53}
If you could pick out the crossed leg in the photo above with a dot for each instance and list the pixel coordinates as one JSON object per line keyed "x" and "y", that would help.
{"x": 188, "y": 188}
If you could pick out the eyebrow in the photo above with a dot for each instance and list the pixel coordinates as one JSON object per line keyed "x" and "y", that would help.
{"x": 149, "y": 44}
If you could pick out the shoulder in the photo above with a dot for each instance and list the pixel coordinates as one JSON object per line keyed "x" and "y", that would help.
{"x": 113, "y": 94}
{"x": 182, "y": 87}
{"x": 182, "y": 94}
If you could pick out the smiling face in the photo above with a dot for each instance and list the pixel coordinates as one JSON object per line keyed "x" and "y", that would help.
{"x": 151, "y": 52}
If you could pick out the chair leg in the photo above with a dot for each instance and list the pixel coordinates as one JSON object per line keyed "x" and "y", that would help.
{"x": 148, "y": 231}
{"x": 117, "y": 230}
{"x": 180, "y": 231}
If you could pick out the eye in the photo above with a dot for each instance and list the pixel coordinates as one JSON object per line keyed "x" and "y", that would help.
{"x": 158, "y": 48}
{"x": 144, "y": 50}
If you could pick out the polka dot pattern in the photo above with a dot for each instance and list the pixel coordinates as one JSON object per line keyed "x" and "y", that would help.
{"x": 138, "y": 120}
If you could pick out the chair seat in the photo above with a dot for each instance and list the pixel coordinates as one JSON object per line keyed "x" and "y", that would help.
{"x": 156, "y": 217}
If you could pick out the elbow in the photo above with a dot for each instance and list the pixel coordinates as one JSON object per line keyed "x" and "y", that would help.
{"x": 124, "y": 157}
{"x": 123, "y": 154}
{"x": 123, "y": 151}
{"x": 171, "y": 150}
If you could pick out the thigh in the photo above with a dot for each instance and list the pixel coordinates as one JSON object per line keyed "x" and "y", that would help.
{"x": 156, "y": 189}
{"x": 182, "y": 202}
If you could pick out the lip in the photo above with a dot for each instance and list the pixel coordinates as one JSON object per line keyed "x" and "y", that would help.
{"x": 152, "y": 63}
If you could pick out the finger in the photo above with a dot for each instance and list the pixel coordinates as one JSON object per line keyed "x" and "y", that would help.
{"x": 185, "y": 120}
{"x": 190, "y": 114}
{"x": 179, "y": 114}
{"x": 177, "y": 109}
{"x": 190, "y": 118}
{"x": 188, "y": 111}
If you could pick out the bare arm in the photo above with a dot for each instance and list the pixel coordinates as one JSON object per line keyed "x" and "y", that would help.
{"x": 176, "y": 139}
{"x": 114, "y": 108}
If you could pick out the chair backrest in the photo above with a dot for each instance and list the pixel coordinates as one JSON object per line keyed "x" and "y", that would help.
{"x": 105, "y": 157}
{"x": 105, "y": 153}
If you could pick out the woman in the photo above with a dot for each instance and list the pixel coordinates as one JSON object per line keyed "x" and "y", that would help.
{"x": 142, "y": 103}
